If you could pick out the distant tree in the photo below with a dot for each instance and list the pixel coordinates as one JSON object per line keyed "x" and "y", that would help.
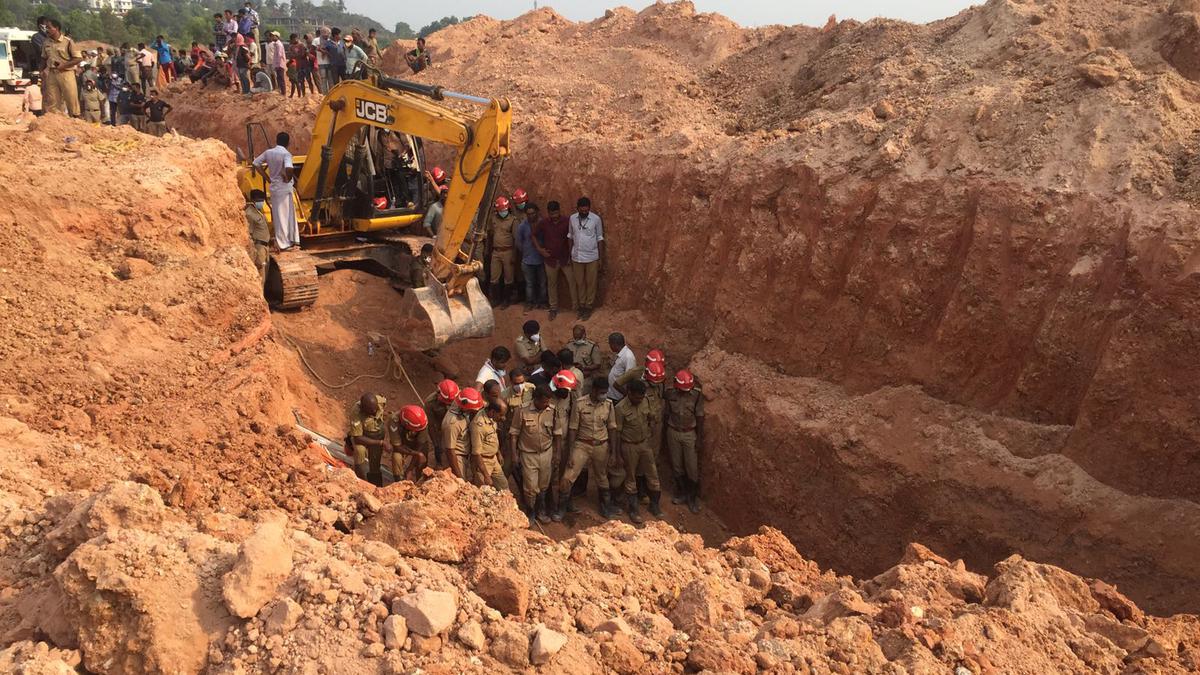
{"x": 437, "y": 25}
{"x": 402, "y": 30}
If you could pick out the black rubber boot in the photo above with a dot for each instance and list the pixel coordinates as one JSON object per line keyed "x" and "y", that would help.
{"x": 579, "y": 489}
{"x": 631, "y": 504}
{"x": 375, "y": 478}
{"x": 607, "y": 508}
{"x": 682, "y": 488}
{"x": 654, "y": 508}
{"x": 529, "y": 512}
{"x": 643, "y": 488}
{"x": 694, "y": 497}
{"x": 564, "y": 505}
{"x": 543, "y": 507}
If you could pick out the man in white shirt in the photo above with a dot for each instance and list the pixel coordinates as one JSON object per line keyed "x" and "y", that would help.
{"x": 586, "y": 232}
{"x": 493, "y": 369}
{"x": 277, "y": 162}
{"x": 622, "y": 363}
{"x": 277, "y": 61}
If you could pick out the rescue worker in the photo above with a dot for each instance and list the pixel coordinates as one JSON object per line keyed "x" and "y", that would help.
{"x": 60, "y": 55}
{"x": 411, "y": 446}
{"x": 456, "y": 435}
{"x": 654, "y": 375}
{"x": 529, "y": 344}
{"x": 437, "y": 405}
{"x": 133, "y": 74}
{"x": 589, "y": 441}
{"x": 419, "y": 268}
{"x": 537, "y": 434}
{"x": 519, "y": 200}
{"x": 92, "y": 102}
{"x": 565, "y": 387}
{"x": 685, "y": 434}
{"x": 587, "y": 353}
{"x": 518, "y": 394}
{"x": 368, "y": 437}
{"x": 260, "y": 231}
{"x": 503, "y": 260}
{"x": 485, "y": 446}
{"x": 635, "y": 433}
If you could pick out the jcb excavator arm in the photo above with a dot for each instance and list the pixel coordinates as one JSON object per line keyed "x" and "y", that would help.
{"x": 452, "y": 304}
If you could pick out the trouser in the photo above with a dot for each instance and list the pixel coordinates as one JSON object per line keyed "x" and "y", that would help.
{"x": 682, "y": 447}
{"x": 589, "y": 454}
{"x": 114, "y": 114}
{"x": 535, "y": 283}
{"x": 147, "y": 77}
{"x": 493, "y": 470}
{"x": 468, "y": 469}
{"x": 639, "y": 461}
{"x": 327, "y": 78}
{"x": 586, "y": 278}
{"x": 156, "y": 128}
{"x": 368, "y": 459}
{"x": 138, "y": 122}
{"x": 92, "y": 116}
{"x": 260, "y": 254}
{"x": 281, "y": 80}
{"x": 133, "y": 76}
{"x": 244, "y": 79}
{"x": 283, "y": 216}
{"x": 553, "y": 274}
{"x": 306, "y": 78}
{"x": 503, "y": 266}
{"x": 536, "y": 468}
{"x": 61, "y": 90}
{"x": 168, "y": 70}
{"x": 407, "y": 466}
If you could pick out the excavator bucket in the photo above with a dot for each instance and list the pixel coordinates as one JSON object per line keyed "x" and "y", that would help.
{"x": 430, "y": 318}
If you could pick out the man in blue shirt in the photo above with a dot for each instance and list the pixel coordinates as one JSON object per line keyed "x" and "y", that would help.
{"x": 531, "y": 261}
{"x": 165, "y": 62}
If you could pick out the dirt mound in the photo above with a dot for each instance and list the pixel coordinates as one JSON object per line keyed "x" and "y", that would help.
{"x": 205, "y": 112}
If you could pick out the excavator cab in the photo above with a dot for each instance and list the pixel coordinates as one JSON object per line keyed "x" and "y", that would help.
{"x": 362, "y": 192}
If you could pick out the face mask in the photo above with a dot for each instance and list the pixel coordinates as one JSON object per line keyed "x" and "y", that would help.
{"x": 535, "y": 337}
{"x": 259, "y": 205}
{"x": 503, "y": 214}
{"x": 427, "y": 259}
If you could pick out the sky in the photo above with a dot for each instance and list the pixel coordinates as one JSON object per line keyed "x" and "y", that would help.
{"x": 744, "y": 12}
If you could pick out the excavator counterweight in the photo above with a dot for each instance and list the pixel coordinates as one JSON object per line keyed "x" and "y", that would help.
{"x": 364, "y": 181}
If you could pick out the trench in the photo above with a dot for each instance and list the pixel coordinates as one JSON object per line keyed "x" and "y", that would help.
{"x": 977, "y": 365}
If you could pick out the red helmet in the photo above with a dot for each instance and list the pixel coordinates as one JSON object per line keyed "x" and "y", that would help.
{"x": 501, "y": 203}
{"x": 447, "y": 390}
{"x": 443, "y": 189}
{"x": 684, "y": 381}
{"x": 470, "y": 400}
{"x": 413, "y": 417}
{"x": 564, "y": 379}
{"x": 656, "y": 372}
{"x": 655, "y": 356}
{"x": 438, "y": 174}
{"x": 519, "y": 196}
{"x": 380, "y": 202}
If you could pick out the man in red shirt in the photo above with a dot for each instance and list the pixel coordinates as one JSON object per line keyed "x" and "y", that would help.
{"x": 550, "y": 240}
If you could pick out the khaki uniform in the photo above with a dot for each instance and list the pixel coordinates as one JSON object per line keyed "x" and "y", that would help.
{"x": 591, "y": 423}
{"x": 93, "y": 103}
{"x": 655, "y": 395}
{"x": 456, "y": 439}
{"x": 260, "y": 238}
{"x": 635, "y": 428}
{"x": 527, "y": 349}
{"x": 417, "y": 270}
{"x": 683, "y": 408}
{"x": 485, "y": 444}
{"x": 586, "y": 355}
{"x": 533, "y": 432}
{"x": 410, "y": 452}
{"x": 60, "y": 87}
{"x": 374, "y": 427}
{"x": 133, "y": 75}
{"x": 436, "y": 411}
{"x": 504, "y": 256}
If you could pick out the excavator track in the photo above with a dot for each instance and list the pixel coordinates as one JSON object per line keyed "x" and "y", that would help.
{"x": 292, "y": 280}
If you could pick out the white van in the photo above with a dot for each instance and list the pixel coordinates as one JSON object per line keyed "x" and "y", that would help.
{"x": 18, "y": 59}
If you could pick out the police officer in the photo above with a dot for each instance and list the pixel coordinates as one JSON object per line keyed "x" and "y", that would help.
{"x": 653, "y": 374}
{"x": 685, "y": 433}
{"x": 503, "y": 261}
{"x": 411, "y": 446}
{"x": 92, "y": 102}
{"x": 60, "y": 56}
{"x": 586, "y": 352}
{"x": 485, "y": 446}
{"x": 528, "y": 346}
{"x": 537, "y": 433}
{"x": 437, "y": 405}
{"x": 456, "y": 436}
{"x": 368, "y": 437}
{"x": 635, "y": 433}
{"x": 260, "y": 231}
{"x": 589, "y": 440}
{"x": 565, "y": 388}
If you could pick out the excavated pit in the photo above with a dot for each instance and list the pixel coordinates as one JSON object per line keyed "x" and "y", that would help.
{"x": 965, "y": 291}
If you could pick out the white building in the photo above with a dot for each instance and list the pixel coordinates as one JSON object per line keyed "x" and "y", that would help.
{"x": 117, "y": 6}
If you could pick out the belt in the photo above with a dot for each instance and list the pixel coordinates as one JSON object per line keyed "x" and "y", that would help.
{"x": 262, "y": 243}
{"x": 639, "y": 441}
{"x": 501, "y": 248}
{"x": 681, "y": 428}
{"x": 536, "y": 452}
{"x": 591, "y": 441}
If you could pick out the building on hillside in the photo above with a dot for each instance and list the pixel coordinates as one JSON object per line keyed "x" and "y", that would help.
{"x": 116, "y": 6}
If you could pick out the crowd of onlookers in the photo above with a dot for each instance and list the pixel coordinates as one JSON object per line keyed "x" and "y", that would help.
{"x": 120, "y": 86}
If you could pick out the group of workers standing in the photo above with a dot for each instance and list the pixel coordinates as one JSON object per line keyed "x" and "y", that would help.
{"x": 545, "y": 425}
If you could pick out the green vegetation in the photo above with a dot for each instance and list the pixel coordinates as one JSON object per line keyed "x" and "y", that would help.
{"x": 185, "y": 21}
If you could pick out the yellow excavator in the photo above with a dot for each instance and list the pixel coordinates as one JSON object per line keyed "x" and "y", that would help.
{"x": 364, "y": 181}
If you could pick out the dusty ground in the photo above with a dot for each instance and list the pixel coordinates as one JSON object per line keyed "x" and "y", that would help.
{"x": 937, "y": 280}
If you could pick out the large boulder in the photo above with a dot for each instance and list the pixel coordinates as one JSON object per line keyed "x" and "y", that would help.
{"x": 264, "y": 562}
{"x": 427, "y": 612}
{"x": 122, "y": 504}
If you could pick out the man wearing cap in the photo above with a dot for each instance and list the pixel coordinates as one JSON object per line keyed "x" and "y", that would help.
{"x": 354, "y": 54}
{"x": 653, "y": 376}
{"x": 529, "y": 344}
{"x": 589, "y": 441}
{"x": 537, "y": 433}
{"x": 277, "y": 61}
{"x": 635, "y": 431}
{"x": 485, "y": 446}
{"x": 685, "y": 433}
{"x": 456, "y": 437}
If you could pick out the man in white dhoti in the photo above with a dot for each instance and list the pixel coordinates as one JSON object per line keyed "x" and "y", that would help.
{"x": 278, "y": 164}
